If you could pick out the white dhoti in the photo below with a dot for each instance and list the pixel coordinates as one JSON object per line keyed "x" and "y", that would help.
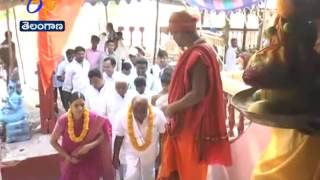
{"x": 139, "y": 172}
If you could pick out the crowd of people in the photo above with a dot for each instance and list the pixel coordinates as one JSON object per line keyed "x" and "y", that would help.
{"x": 102, "y": 81}
{"x": 128, "y": 119}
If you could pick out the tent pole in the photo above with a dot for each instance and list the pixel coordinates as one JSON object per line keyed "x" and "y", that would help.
{"x": 18, "y": 43}
{"x": 262, "y": 26}
{"x": 9, "y": 43}
{"x": 106, "y": 11}
{"x": 156, "y": 33}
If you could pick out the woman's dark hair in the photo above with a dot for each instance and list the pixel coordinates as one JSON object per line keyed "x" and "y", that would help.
{"x": 166, "y": 75}
{"x": 75, "y": 96}
{"x": 140, "y": 81}
{"x": 95, "y": 73}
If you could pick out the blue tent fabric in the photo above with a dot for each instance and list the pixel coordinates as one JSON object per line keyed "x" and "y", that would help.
{"x": 223, "y": 5}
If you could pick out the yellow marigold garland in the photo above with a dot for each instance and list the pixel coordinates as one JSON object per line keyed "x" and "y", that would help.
{"x": 149, "y": 135}
{"x": 85, "y": 127}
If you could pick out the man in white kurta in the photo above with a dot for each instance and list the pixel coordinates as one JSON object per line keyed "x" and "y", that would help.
{"x": 76, "y": 77}
{"x": 153, "y": 83}
{"x": 140, "y": 164}
{"x": 119, "y": 99}
{"x": 231, "y": 56}
{"x": 110, "y": 75}
{"x": 117, "y": 103}
{"x": 97, "y": 94}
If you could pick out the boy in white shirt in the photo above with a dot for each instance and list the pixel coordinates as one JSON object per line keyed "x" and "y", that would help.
{"x": 139, "y": 134}
{"x": 97, "y": 94}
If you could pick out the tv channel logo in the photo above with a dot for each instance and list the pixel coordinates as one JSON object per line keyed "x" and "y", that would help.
{"x": 35, "y": 6}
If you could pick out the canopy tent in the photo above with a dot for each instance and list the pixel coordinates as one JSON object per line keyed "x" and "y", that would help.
{"x": 222, "y": 5}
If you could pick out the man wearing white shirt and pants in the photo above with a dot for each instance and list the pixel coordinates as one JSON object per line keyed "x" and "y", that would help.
{"x": 109, "y": 74}
{"x": 119, "y": 99}
{"x": 97, "y": 94}
{"x": 139, "y": 134}
{"x": 60, "y": 75}
{"x": 153, "y": 83}
{"x": 231, "y": 56}
{"x": 117, "y": 103}
{"x": 140, "y": 87}
{"x": 76, "y": 78}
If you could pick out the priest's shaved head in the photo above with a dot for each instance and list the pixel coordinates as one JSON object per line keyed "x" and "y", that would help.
{"x": 183, "y": 28}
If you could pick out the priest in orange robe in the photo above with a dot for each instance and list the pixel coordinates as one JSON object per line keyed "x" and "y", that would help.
{"x": 196, "y": 133}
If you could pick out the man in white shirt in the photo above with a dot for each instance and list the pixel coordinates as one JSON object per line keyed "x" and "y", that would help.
{"x": 133, "y": 55}
{"x": 102, "y": 42}
{"x": 97, "y": 94}
{"x": 109, "y": 51}
{"x": 110, "y": 47}
{"x": 162, "y": 63}
{"x": 119, "y": 99}
{"x": 60, "y": 76}
{"x": 117, "y": 103}
{"x": 109, "y": 73}
{"x": 93, "y": 55}
{"x": 140, "y": 87}
{"x": 153, "y": 83}
{"x": 76, "y": 78}
{"x": 126, "y": 69}
{"x": 121, "y": 51}
{"x": 231, "y": 56}
{"x": 140, "y": 145}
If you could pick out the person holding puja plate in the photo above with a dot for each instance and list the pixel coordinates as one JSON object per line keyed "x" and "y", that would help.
{"x": 85, "y": 146}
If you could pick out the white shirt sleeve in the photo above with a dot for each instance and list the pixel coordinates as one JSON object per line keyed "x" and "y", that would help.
{"x": 119, "y": 129}
{"x": 60, "y": 69}
{"x": 67, "y": 84}
{"x": 86, "y": 94}
{"x": 162, "y": 121}
{"x": 230, "y": 59}
{"x": 156, "y": 85}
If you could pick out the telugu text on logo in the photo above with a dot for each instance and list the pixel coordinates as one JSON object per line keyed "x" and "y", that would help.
{"x": 28, "y": 26}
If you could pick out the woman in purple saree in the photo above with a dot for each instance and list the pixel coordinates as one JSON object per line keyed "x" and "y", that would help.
{"x": 86, "y": 143}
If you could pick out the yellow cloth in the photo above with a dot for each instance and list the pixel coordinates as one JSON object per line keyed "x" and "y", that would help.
{"x": 291, "y": 155}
